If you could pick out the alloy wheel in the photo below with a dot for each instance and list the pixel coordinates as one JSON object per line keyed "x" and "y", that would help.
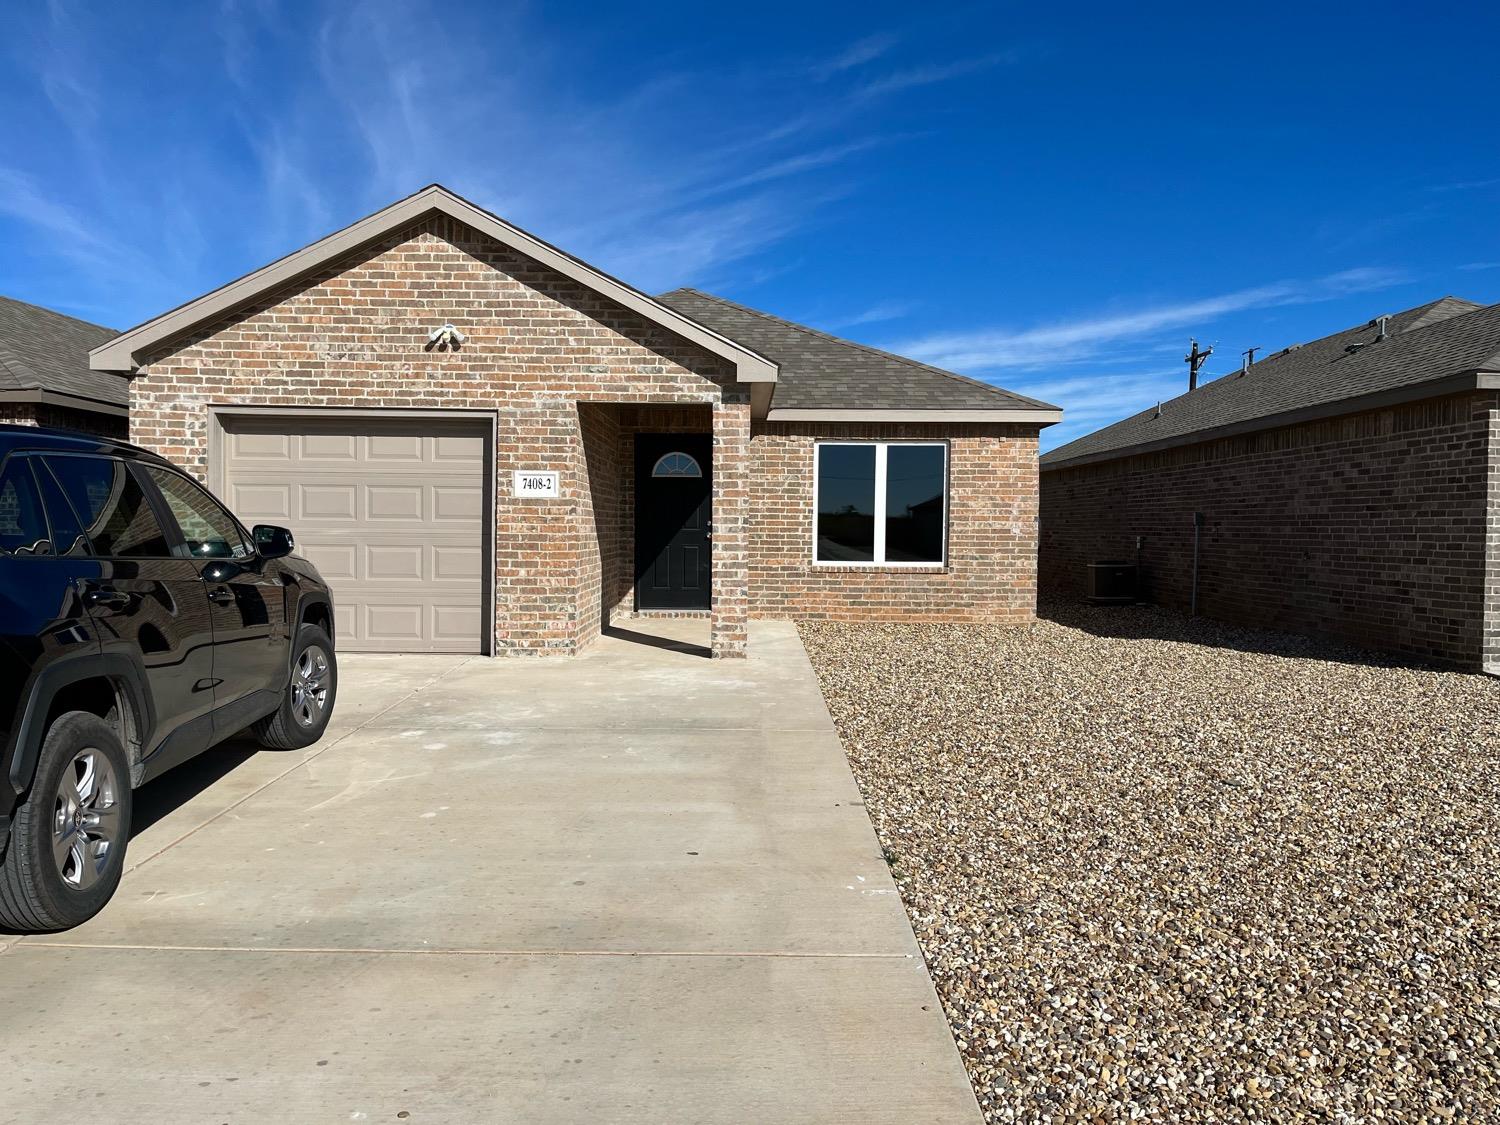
{"x": 310, "y": 686}
{"x": 85, "y": 819}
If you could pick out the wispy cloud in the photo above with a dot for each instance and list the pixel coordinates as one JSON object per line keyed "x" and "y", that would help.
{"x": 880, "y": 311}
{"x": 73, "y": 235}
{"x": 929, "y": 75}
{"x": 1085, "y": 338}
{"x": 1465, "y": 185}
{"x": 802, "y": 162}
{"x": 858, "y": 53}
{"x": 1096, "y": 400}
{"x": 65, "y": 76}
{"x": 1480, "y": 266}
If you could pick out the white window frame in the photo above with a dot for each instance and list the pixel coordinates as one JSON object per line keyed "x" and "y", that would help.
{"x": 879, "y": 561}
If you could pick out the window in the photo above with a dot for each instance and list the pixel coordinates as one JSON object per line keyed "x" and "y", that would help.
{"x": 67, "y": 533}
{"x": 117, "y": 516}
{"x": 676, "y": 465}
{"x": 23, "y": 523}
{"x": 208, "y": 531}
{"x": 881, "y": 503}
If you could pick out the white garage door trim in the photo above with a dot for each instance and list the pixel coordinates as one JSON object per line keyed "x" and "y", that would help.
{"x": 484, "y": 421}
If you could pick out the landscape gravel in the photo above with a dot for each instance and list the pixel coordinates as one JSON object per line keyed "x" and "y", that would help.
{"x": 1168, "y": 870}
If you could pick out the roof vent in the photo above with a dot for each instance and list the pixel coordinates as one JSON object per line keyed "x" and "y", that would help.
{"x": 1354, "y": 347}
{"x": 1381, "y": 322}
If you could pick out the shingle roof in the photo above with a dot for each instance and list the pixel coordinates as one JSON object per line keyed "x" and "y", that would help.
{"x": 42, "y": 350}
{"x": 1432, "y": 342}
{"x": 823, "y": 372}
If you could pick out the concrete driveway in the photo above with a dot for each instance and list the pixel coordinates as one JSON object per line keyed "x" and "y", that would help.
{"x": 635, "y": 885}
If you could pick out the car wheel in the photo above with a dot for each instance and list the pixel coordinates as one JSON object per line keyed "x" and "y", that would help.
{"x": 307, "y": 702}
{"x": 67, "y": 842}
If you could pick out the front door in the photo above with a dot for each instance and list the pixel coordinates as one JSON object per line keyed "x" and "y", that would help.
{"x": 673, "y": 510}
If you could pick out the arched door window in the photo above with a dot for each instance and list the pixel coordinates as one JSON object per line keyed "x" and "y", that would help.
{"x": 676, "y": 464}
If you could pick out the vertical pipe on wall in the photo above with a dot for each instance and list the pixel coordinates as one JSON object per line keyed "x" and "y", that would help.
{"x": 1197, "y": 546}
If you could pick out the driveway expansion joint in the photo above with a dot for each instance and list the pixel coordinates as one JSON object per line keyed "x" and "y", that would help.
{"x": 729, "y": 954}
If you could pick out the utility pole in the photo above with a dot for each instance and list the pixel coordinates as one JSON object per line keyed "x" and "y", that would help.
{"x": 1196, "y": 359}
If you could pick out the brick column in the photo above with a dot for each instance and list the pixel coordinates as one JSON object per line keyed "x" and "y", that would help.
{"x": 731, "y": 519}
{"x": 1490, "y": 587}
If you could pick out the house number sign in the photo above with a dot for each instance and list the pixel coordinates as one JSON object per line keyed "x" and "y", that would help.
{"x": 531, "y": 484}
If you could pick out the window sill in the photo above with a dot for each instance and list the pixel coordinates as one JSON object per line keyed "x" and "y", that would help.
{"x": 920, "y": 568}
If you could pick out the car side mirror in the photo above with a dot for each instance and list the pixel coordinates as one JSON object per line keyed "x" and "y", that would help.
{"x": 273, "y": 542}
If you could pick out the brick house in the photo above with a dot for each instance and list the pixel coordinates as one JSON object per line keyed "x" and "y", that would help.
{"x": 45, "y": 378}
{"x": 1349, "y": 486}
{"x": 488, "y": 445}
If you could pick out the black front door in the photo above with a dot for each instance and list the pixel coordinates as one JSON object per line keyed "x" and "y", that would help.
{"x": 673, "y": 506}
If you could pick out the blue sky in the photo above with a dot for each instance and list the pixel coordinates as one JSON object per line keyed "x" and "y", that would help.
{"x": 1049, "y": 197}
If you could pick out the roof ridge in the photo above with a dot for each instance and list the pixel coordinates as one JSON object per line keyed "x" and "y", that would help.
{"x": 1420, "y": 322}
{"x": 855, "y": 344}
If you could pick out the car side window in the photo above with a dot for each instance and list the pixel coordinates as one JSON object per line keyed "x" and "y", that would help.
{"x": 208, "y": 531}
{"x": 118, "y": 517}
{"x": 23, "y": 522}
{"x": 67, "y": 532}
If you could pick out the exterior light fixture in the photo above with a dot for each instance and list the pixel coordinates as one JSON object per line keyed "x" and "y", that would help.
{"x": 445, "y": 337}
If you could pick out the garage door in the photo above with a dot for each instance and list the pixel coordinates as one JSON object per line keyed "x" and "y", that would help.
{"x": 390, "y": 510}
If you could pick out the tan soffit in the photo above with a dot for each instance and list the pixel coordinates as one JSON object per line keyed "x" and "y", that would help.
{"x": 57, "y": 398}
{"x": 121, "y": 354}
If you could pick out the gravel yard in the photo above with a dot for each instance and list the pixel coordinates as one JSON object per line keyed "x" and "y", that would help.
{"x": 1171, "y": 870}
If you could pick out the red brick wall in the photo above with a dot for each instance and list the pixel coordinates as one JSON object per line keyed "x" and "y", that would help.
{"x": 990, "y": 575}
{"x": 538, "y": 345}
{"x": 1370, "y": 527}
{"x": 63, "y": 418}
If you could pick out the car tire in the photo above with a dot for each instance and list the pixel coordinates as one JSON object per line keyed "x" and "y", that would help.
{"x": 68, "y": 839}
{"x": 308, "y": 699}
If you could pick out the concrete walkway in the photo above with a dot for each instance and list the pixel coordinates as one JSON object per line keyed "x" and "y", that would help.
{"x": 635, "y": 885}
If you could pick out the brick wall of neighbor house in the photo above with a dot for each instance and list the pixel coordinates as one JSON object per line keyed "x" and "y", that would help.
{"x": 1492, "y": 548}
{"x": 539, "y": 345}
{"x": 62, "y": 418}
{"x": 990, "y": 575}
{"x": 1370, "y": 527}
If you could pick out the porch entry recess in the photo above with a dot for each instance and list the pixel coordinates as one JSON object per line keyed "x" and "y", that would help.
{"x": 673, "y": 509}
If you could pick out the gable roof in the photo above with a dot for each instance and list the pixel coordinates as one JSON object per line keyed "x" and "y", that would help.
{"x": 122, "y": 353}
{"x": 823, "y": 376}
{"x": 44, "y": 357}
{"x": 1443, "y": 347}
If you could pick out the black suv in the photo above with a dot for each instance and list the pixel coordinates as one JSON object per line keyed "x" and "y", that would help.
{"x": 139, "y": 625}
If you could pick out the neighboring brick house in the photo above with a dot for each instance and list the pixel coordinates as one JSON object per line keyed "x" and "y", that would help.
{"x": 45, "y": 379}
{"x": 490, "y": 446}
{"x": 1349, "y": 486}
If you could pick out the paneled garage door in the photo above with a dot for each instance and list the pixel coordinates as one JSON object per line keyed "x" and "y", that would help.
{"x": 390, "y": 510}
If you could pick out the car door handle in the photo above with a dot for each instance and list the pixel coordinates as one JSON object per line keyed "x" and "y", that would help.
{"x": 221, "y": 596}
{"x": 107, "y": 597}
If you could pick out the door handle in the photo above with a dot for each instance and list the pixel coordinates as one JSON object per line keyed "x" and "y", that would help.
{"x": 223, "y": 595}
{"x": 107, "y": 597}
